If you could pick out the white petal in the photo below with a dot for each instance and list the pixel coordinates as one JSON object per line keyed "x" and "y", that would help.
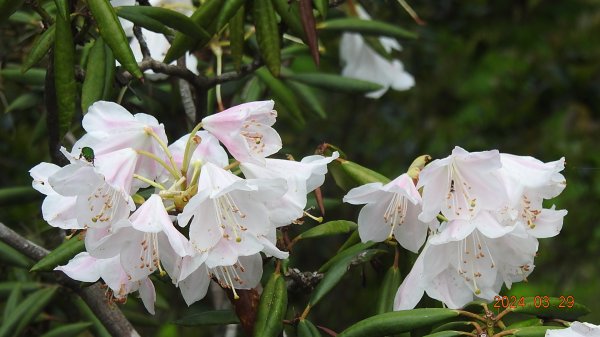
{"x": 367, "y": 193}
{"x": 40, "y": 174}
{"x": 455, "y": 230}
{"x": 60, "y": 212}
{"x": 411, "y": 290}
{"x": 194, "y": 287}
{"x": 548, "y": 223}
{"x": 82, "y": 267}
{"x": 371, "y": 222}
{"x": 147, "y": 294}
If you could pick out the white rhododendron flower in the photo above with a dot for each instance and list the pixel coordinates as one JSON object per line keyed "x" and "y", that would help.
{"x": 302, "y": 177}
{"x": 246, "y": 131}
{"x": 577, "y": 329}
{"x": 362, "y": 62}
{"x": 391, "y": 209}
{"x": 232, "y": 219}
{"x": 491, "y": 207}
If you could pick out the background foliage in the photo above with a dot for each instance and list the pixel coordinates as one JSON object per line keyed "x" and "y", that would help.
{"x": 520, "y": 76}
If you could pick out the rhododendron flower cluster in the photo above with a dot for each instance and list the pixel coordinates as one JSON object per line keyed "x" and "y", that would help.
{"x": 137, "y": 194}
{"x": 484, "y": 215}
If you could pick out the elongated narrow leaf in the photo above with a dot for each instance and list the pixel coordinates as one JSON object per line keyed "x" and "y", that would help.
{"x": 13, "y": 257}
{"x": 328, "y": 228}
{"x": 367, "y": 27}
{"x": 35, "y": 76}
{"x": 99, "y": 74}
{"x": 361, "y": 174}
{"x": 228, "y": 10}
{"x": 322, "y": 7}
{"x": 236, "y": 37}
{"x": 534, "y": 331}
{"x": 526, "y": 323}
{"x": 144, "y": 21}
{"x": 17, "y": 195}
{"x": 335, "y": 82}
{"x": 308, "y": 97}
{"x": 97, "y": 327}
{"x": 13, "y": 300}
{"x": 454, "y": 326}
{"x": 8, "y": 7}
{"x": 64, "y": 71}
{"x": 353, "y": 251}
{"x": 387, "y": 292}
{"x": 40, "y": 48}
{"x": 7, "y": 287}
{"x": 396, "y": 322}
{"x": 332, "y": 278}
{"x": 26, "y": 311}
{"x": 24, "y": 102}
{"x": 310, "y": 29}
{"x": 68, "y": 330}
{"x": 307, "y": 329}
{"x": 168, "y": 18}
{"x": 289, "y": 11}
{"x": 448, "y": 333}
{"x": 271, "y": 308}
{"x": 113, "y": 34}
{"x": 62, "y": 254}
{"x": 551, "y": 307}
{"x": 214, "y": 317}
{"x": 283, "y": 95}
{"x": 267, "y": 34}
{"x": 353, "y": 239}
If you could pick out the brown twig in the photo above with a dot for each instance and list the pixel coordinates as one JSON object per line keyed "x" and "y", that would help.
{"x": 107, "y": 312}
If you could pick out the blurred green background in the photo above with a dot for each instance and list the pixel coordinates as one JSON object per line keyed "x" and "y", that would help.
{"x": 519, "y": 76}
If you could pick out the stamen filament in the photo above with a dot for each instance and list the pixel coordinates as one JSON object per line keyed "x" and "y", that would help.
{"x": 171, "y": 170}
{"x": 148, "y": 181}
{"x": 187, "y": 152}
{"x": 166, "y": 149}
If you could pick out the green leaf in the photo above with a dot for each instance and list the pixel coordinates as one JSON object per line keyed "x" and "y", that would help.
{"x": 35, "y": 76}
{"x": 283, "y": 95}
{"x": 113, "y": 34}
{"x": 18, "y": 195}
{"x": 13, "y": 300}
{"x": 335, "y": 82}
{"x": 7, "y": 287}
{"x": 267, "y": 34}
{"x": 447, "y": 334}
{"x": 289, "y": 11}
{"x": 348, "y": 175}
{"x": 388, "y": 288}
{"x": 367, "y": 27}
{"x": 215, "y": 317}
{"x": 328, "y": 228}
{"x": 396, "y": 322}
{"x": 236, "y": 37}
{"x": 144, "y": 21}
{"x": 455, "y": 326}
{"x": 353, "y": 239}
{"x": 350, "y": 251}
{"x": 526, "y": 323}
{"x": 322, "y": 7}
{"x": 64, "y": 71}
{"x": 62, "y": 254}
{"x": 307, "y": 329}
{"x": 308, "y": 97}
{"x": 13, "y": 257}
{"x": 97, "y": 327}
{"x": 167, "y": 17}
{"x": 534, "y": 331}
{"x": 271, "y": 308}
{"x": 338, "y": 269}
{"x": 68, "y": 330}
{"x": 553, "y": 310}
{"x": 40, "y": 48}
{"x": 23, "y": 102}
{"x": 99, "y": 73}
{"x": 26, "y": 311}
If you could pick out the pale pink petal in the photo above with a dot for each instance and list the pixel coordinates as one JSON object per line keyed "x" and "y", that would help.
{"x": 454, "y": 230}
{"x": 367, "y": 193}
{"x": 548, "y": 223}
{"x": 60, "y": 212}
{"x": 411, "y": 290}
{"x": 147, "y": 294}
{"x": 82, "y": 267}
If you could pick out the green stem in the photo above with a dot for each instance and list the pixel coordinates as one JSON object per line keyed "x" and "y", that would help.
{"x": 186, "y": 153}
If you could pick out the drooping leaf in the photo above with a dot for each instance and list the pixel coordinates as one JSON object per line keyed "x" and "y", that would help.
{"x": 335, "y": 82}
{"x": 307, "y": 329}
{"x": 68, "y": 330}
{"x": 267, "y": 34}
{"x": 367, "y": 27}
{"x": 389, "y": 286}
{"x": 26, "y": 311}
{"x": 283, "y": 95}
{"x": 166, "y": 17}
{"x": 35, "y": 76}
{"x": 39, "y": 49}
{"x": 322, "y": 7}
{"x": 398, "y": 321}
{"x": 310, "y": 29}
{"x": 236, "y": 37}
{"x": 99, "y": 73}
{"x": 61, "y": 255}
{"x": 25, "y": 101}
{"x": 289, "y": 11}
{"x": 328, "y": 228}
{"x": 143, "y": 21}
{"x": 13, "y": 300}
{"x": 272, "y": 307}
{"x": 113, "y": 34}
{"x": 64, "y": 71}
